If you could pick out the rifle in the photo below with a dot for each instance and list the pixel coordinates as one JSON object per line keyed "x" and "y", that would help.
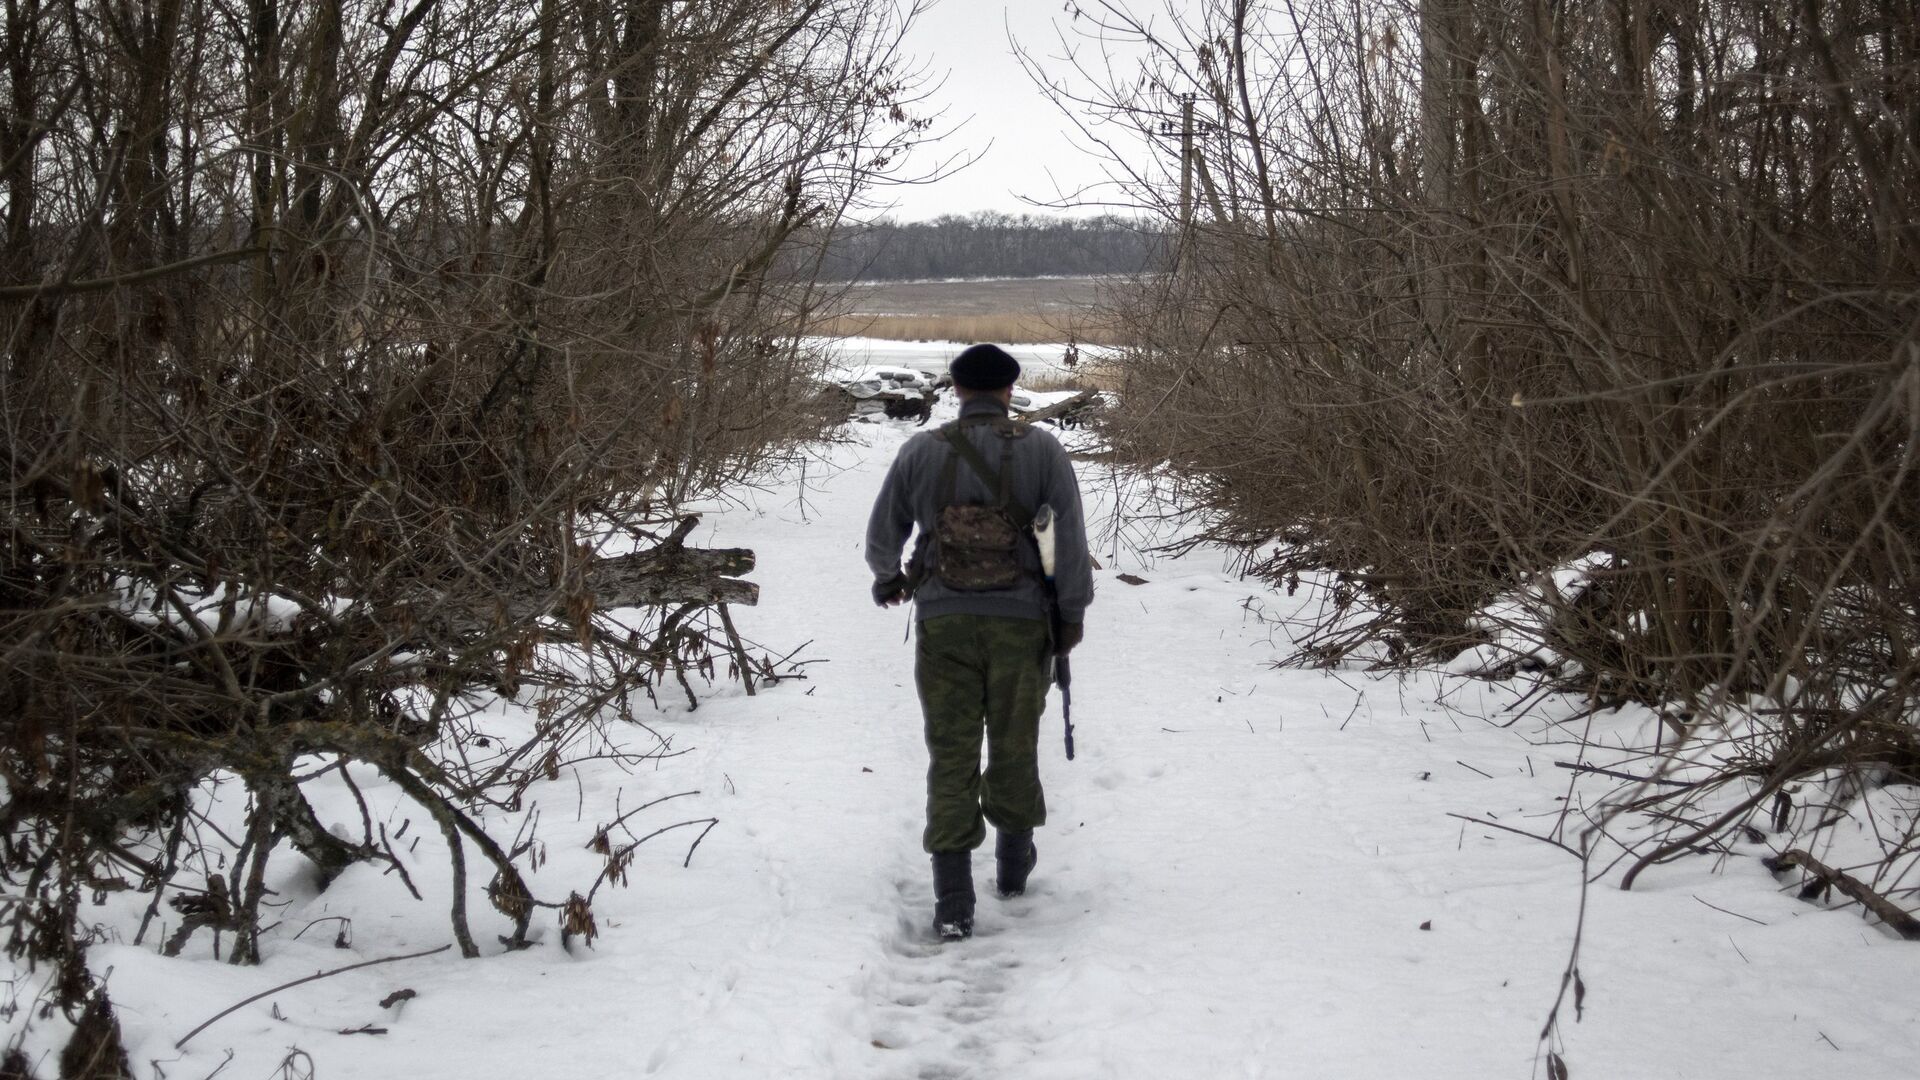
{"x": 1043, "y": 539}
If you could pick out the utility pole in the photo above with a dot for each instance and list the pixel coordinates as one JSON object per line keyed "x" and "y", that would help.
{"x": 1440, "y": 22}
{"x": 1186, "y": 164}
{"x": 1186, "y": 186}
{"x": 1438, "y": 19}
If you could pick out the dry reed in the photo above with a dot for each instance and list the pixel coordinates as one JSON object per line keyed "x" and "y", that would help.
{"x": 1012, "y": 327}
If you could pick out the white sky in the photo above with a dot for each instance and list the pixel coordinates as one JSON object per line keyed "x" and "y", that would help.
{"x": 1024, "y": 145}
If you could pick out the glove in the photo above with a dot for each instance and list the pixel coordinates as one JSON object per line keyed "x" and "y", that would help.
{"x": 895, "y": 590}
{"x": 1069, "y": 636}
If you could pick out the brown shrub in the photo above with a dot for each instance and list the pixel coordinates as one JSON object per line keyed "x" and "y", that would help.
{"x": 1498, "y": 286}
{"x": 331, "y": 338}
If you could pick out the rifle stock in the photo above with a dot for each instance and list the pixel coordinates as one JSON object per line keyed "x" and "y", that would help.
{"x": 1063, "y": 678}
{"x": 1043, "y": 539}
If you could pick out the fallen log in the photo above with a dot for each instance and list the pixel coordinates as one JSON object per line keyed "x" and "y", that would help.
{"x": 673, "y": 575}
{"x": 1060, "y": 409}
{"x": 1892, "y": 914}
{"x": 667, "y": 574}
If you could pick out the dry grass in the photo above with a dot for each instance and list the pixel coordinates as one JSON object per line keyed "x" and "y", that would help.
{"x": 1085, "y": 377}
{"x": 1013, "y": 327}
{"x": 978, "y": 296}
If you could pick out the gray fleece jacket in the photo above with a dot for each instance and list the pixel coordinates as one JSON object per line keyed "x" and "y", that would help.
{"x": 1042, "y": 474}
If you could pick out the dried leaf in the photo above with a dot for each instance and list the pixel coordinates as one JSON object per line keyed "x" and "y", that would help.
{"x": 576, "y": 920}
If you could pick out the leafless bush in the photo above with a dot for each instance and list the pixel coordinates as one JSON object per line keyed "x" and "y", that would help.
{"x": 1475, "y": 290}
{"x": 339, "y": 338}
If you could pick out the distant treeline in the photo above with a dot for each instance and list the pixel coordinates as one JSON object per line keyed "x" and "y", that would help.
{"x": 988, "y": 244}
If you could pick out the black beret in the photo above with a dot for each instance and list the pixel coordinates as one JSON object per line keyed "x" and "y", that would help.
{"x": 984, "y": 367}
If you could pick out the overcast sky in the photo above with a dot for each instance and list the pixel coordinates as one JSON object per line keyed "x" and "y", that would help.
{"x": 1024, "y": 145}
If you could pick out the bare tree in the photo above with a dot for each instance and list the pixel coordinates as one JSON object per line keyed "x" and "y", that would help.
{"x": 339, "y": 337}
{"x": 1482, "y": 291}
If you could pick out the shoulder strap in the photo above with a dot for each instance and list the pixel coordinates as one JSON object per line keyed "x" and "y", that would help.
{"x": 1000, "y": 482}
{"x": 947, "y": 469}
{"x": 964, "y": 449}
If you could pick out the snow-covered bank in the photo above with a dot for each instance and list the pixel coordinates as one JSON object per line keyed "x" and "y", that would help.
{"x": 1037, "y": 362}
{"x": 1247, "y": 872}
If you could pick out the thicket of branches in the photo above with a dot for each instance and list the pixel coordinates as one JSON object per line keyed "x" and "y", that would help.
{"x": 337, "y": 337}
{"x": 1477, "y": 290}
{"x": 990, "y": 244}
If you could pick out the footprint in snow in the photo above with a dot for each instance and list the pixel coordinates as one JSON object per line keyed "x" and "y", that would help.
{"x": 948, "y": 998}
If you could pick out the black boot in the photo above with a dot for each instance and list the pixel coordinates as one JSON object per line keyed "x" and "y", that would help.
{"x": 953, "y": 894}
{"x": 1014, "y": 856}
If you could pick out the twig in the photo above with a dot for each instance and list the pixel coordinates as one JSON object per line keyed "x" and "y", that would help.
{"x": 1581, "y": 766}
{"x": 326, "y": 918}
{"x": 85, "y": 285}
{"x": 1735, "y": 914}
{"x": 616, "y": 859}
{"x": 166, "y": 875}
{"x": 1520, "y": 832}
{"x": 621, "y": 821}
{"x": 739, "y": 650}
{"x": 1889, "y": 912}
{"x": 209, "y": 1022}
{"x": 394, "y": 858}
{"x": 1570, "y": 975}
{"x": 222, "y": 1067}
{"x": 795, "y": 653}
{"x": 688, "y": 861}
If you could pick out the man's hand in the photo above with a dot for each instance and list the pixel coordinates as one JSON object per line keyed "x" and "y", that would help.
{"x": 1069, "y": 636}
{"x": 895, "y": 590}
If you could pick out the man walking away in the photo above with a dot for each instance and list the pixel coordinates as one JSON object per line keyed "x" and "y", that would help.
{"x": 984, "y": 644}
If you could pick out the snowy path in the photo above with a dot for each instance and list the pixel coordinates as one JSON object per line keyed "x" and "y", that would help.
{"x": 1247, "y": 873}
{"x": 1235, "y": 877}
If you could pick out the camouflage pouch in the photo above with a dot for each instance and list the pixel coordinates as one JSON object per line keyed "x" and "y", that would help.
{"x": 979, "y": 548}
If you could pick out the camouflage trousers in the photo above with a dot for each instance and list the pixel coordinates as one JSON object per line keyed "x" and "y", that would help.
{"x": 981, "y": 674}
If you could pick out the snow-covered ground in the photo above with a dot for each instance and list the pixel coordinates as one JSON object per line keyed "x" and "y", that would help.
{"x": 1247, "y": 872}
